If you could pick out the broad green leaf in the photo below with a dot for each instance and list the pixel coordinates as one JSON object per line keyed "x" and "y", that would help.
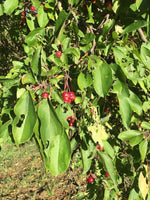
{"x": 63, "y": 115}
{"x": 108, "y": 148}
{"x": 23, "y": 124}
{"x": 60, "y": 22}
{"x": 27, "y": 78}
{"x": 56, "y": 145}
{"x": 102, "y": 75}
{"x": 134, "y": 26}
{"x": 42, "y": 17}
{"x": 133, "y": 136}
{"x": 73, "y": 51}
{"x": 109, "y": 167}
{"x": 135, "y": 103}
{"x": 143, "y": 185}
{"x": 86, "y": 154}
{"x": 143, "y": 149}
{"x": 133, "y": 195}
{"x": 145, "y": 55}
{"x": 36, "y": 3}
{"x": 33, "y": 37}
{"x": 35, "y": 61}
{"x": 125, "y": 110}
{"x": 30, "y": 22}
{"x": 10, "y": 6}
{"x": 89, "y": 37}
{"x": 145, "y": 125}
{"x": 4, "y": 133}
{"x": 84, "y": 80}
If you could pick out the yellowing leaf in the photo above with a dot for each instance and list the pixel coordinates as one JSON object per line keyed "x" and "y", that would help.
{"x": 143, "y": 186}
{"x": 98, "y": 133}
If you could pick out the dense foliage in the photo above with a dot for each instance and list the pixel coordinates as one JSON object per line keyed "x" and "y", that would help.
{"x": 80, "y": 80}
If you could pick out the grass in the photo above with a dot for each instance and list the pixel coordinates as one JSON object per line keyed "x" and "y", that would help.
{"x": 23, "y": 176}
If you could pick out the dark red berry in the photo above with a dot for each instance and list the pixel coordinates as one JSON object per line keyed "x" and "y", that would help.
{"x": 72, "y": 120}
{"x": 117, "y": 103}
{"x": 117, "y": 195}
{"x": 99, "y": 147}
{"x": 23, "y": 14}
{"x": 140, "y": 124}
{"x": 23, "y": 19}
{"x": 109, "y": 4}
{"x": 67, "y": 100}
{"x": 107, "y": 175}
{"x": 72, "y": 96}
{"x": 65, "y": 94}
{"x": 94, "y": 1}
{"x": 71, "y": 124}
{"x": 45, "y": 95}
{"x": 90, "y": 179}
{"x": 32, "y": 8}
{"x": 68, "y": 118}
{"x": 106, "y": 110}
{"x": 58, "y": 54}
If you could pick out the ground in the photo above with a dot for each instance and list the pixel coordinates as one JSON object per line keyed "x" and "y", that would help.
{"x": 23, "y": 176}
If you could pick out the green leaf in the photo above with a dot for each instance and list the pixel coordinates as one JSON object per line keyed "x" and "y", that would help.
{"x": 102, "y": 75}
{"x": 84, "y": 80}
{"x": 109, "y": 167}
{"x": 4, "y": 133}
{"x": 145, "y": 125}
{"x": 30, "y": 22}
{"x": 42, "y": 17}
{"x": 32, "y": 37}
{"x": 89, "y": 37}
{"x": 35, "y": 61}
{"x": 135, "y": 103}
{"x": 125, "y": 110}
{"x": 36, "y": 3}
{"x": 73, "y": 51}
{"x": 133, "y": 195}
{"x": 86, "y": 160}
{"x": 143, "y": 149}
{"x": 108, "y": 148}
{"x": 27, "y": 78}
{"x": 10, "y": 6}
{"x": 134, "y": 26}
{"x": 23, "y": 124}
{"x": 60, "y": 22}
{"x": 133, "y": 136}
{"x": 56, "y": 145}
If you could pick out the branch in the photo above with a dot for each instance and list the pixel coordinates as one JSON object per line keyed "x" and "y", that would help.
{"x": 142, "y": 35}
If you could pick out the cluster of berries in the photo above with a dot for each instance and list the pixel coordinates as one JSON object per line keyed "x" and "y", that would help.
{"x": 25, "y": 13}
{"x": 71, "y": 121}
{"x": 68, "y": 97}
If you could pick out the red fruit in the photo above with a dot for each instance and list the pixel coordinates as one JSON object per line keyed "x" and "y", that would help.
{"x": 94, "y": 1}
{"x": 67, "y": 100}
{"x": 72, "y": 96}
{"x": 72, "y": 120}
{"x": 23, "y": 14}
{"x": 99, "y": 147}
{"x": 36, "y": 15}
{"x": 90, "y": 179}
{"x": 117, "y": 195}
{"x": 140, "y": 124}
{"x": 23, "y": 19}
{"x": 71, "y": 124}
{"x": 108, "y": 4}
{"x": 106, "y": 110}
{"x": 134, "y": 1}
{"x": 32, "y": 8}
{"x": 68, "y": 117}
{"x": 45, "y": 95}
{"x": 107, "y": 175}
{"x": 58, "y": 54}
{"x": 65, "y": 94}
{"x": 117, "y": 102}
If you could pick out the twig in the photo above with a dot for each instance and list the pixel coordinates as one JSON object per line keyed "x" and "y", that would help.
{"x": 142, "y": 35}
